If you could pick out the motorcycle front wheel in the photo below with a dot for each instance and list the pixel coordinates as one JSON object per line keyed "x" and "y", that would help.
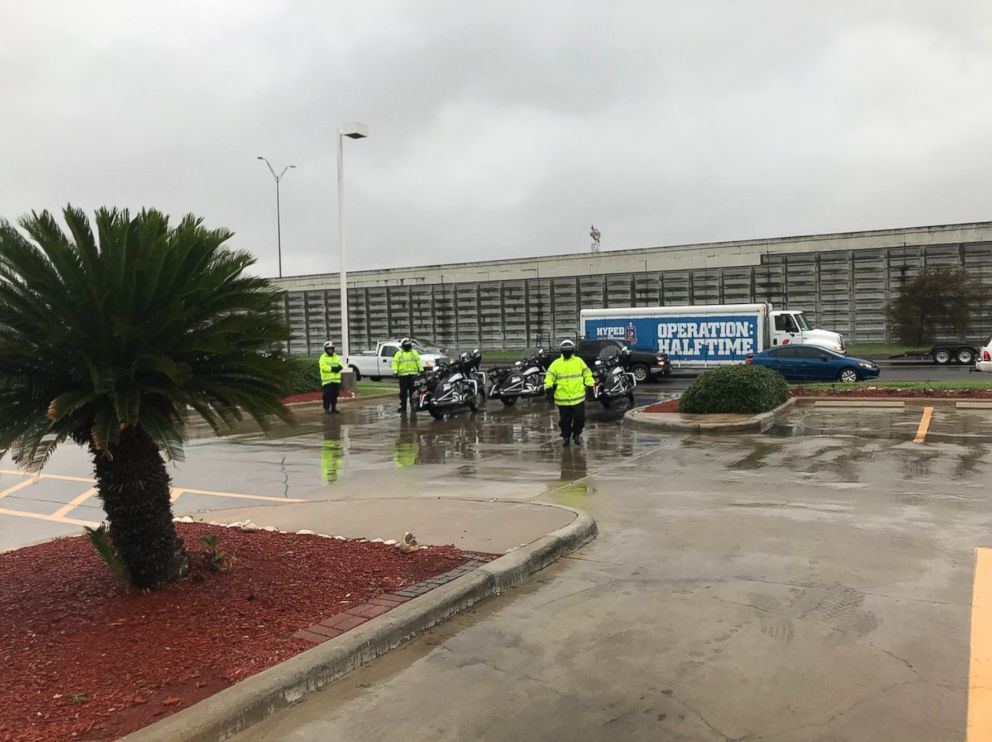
{"x": 508, "y": 401}
{"x": 436, "y": 413}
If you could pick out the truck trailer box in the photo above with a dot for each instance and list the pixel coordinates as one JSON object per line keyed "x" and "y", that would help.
{"x": 705, "y": 335}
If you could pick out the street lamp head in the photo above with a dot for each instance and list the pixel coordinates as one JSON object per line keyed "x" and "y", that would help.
{"x": 354, "y": 130}
{"x": 259, "y": 158}
{"x": 291, "y": 167}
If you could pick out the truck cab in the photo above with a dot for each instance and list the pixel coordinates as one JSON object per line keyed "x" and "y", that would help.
{"x": 790, "y": 327}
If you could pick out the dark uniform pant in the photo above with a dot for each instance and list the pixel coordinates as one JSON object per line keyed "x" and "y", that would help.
{"x": 571, "y": 419}
{"x": 331, "y": 395}
{"x": 406, "y": 391}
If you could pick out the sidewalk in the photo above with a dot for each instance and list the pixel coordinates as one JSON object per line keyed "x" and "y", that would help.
{"x": 536, "y": 535}
{"x": 473, "y": 525}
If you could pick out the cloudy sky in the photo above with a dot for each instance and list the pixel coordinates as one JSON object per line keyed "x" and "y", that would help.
{"x": 503, "y": 128}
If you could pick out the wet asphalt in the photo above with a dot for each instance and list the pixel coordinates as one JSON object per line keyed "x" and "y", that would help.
{"x": 812, "y": 582}
{"x": 809, "y": 583}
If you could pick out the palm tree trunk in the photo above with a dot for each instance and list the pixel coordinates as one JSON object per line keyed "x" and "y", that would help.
{"x": 133, "y": 484}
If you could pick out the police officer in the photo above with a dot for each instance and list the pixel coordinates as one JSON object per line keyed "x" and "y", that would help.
{"x": 406, "y": 365}
{"x": 565, "y": 384}
{"x": 330, "y": 377}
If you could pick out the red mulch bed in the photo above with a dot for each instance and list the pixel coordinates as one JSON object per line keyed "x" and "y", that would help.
{"x": 868, "y": 391}
{"x": 84, "y": 656}
{"x": 670, "y": 405}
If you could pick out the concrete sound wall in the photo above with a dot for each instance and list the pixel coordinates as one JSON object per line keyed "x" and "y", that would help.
{"x": 843, "y": 281}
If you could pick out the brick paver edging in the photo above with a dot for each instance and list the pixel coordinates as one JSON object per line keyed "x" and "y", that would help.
{"x": 354, "y": 617}
{"x": 235, "y": 708}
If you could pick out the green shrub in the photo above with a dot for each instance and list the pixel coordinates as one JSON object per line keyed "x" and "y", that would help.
{"x": 743, "y": 389}
{"x": 100, "y": 538}
{"x": 302, "y": 376}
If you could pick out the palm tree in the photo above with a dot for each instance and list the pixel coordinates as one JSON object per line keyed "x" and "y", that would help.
{"x": 112, "y": 340}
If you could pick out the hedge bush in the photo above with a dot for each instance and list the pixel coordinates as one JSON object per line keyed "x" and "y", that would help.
{"x": 302, "y": 375}
{"x": 743, "y": 389}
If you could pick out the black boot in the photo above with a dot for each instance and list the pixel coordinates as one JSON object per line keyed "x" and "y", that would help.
{"x": 578, "y": 439}
{"x": 565, "y": 442}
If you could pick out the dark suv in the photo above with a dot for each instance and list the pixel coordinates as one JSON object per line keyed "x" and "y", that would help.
{"x": 643, "y": 364}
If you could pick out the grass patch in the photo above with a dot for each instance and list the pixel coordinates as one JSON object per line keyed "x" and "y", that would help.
{"x": 935, "y": 386}
{"x": 501, "y": 356}
{"x": 368, "y": 388}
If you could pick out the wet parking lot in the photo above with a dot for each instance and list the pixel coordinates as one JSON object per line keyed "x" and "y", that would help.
{"x": 812, "y": 582}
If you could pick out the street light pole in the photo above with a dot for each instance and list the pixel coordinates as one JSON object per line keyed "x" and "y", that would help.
{"x": 277, "y": 179}
{"x": 352, "y": 131}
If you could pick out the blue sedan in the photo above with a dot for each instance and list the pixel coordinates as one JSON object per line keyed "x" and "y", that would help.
{"x": 813, "y": 363}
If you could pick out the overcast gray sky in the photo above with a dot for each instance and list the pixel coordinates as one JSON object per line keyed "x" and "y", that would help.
{"x": 504, "y": 128}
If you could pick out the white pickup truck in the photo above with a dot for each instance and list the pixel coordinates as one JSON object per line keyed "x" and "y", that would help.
{"x": 378, "y": 364}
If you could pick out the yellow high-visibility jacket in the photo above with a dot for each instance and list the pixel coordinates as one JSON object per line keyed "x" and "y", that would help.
{"x": 326, "y": 364}
{"x": 407, "y": 363}
{"x": 570, "y": 377}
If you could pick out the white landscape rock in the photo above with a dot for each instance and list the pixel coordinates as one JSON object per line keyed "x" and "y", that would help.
{"x": 305, "y": 532}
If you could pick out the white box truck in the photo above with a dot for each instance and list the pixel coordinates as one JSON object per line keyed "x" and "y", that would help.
{"x": 706, "y": 335}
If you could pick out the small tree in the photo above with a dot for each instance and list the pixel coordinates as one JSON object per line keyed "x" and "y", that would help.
{"x": 110, "y": 340}
{"x": 936, "y": 298}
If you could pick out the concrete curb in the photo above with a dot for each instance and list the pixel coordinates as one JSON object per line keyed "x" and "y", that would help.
{"x": 348, "y": 400}
{"x": 236, "y": 708}
{"x": 675, "y": 423}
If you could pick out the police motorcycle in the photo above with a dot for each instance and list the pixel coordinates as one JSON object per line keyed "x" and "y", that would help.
{"x": 613, "y": 383}
{"x": 446, "y": 388}
{"x": 524, "y": 379}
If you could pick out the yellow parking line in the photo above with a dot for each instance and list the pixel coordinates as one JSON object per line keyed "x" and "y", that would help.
{"x": 74, "y": 503}
{"x": 176, "y": 491}
{"x": 49, "y": 518}
{"x": 921, "y": 432}
{"x": 19, "y": 486}
{"x": 19, "y": 473}
{"x": 980, "y": 673}
{"x": 240, "y": 496}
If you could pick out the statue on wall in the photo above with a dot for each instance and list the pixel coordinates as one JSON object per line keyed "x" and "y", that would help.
{"x": 595, "y": 234}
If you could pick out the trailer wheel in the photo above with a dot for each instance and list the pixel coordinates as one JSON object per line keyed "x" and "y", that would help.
{"x": 965, "y": 356}
{"x": 508, "y": 401}
{"x": 942, "y": 356}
